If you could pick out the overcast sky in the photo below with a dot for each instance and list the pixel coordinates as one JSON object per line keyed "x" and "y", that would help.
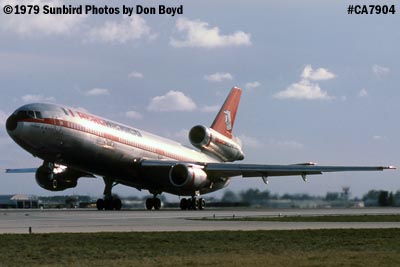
{"x": 319, "y": 85}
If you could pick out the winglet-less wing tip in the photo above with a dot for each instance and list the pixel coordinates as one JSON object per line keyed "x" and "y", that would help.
{"x": 25, "y": 170}
{"x": 387, "y": 168}
{"x": 307, "y": 163}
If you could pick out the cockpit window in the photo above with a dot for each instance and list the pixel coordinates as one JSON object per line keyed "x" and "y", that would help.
{"x": 26, "y": 114}
{"x": 23, "y": 114}
{"x": 38, "y": 115}
{"x": 31, "y": 113}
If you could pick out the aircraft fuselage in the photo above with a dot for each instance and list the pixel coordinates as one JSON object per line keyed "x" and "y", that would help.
{"x": 100, "y": 146}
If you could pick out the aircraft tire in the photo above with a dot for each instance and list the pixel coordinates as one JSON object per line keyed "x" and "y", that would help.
{"x": 184, "y": 204}
{"x": 149, "y": 204}
{"x": 202, "y": 203}
{"x": 108, "y": 204}
{"x": 116, "y": 204}
{"x": 194, "y": 203}
{"x": 100, "y": 204}
{"x": 157, "y": 203}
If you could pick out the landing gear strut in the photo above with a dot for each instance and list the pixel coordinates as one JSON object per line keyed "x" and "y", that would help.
{"x": 108, "y": 202}
{"x": 192, "y": 203}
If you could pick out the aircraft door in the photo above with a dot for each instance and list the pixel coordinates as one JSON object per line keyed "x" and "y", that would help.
{"x": 57, "y": 125}
{"x": 58, "y": 130}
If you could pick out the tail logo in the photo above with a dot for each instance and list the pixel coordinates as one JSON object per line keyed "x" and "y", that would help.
{"x": 228, "y": 120}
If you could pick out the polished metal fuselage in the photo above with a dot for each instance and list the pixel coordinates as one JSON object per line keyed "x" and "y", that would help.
{"x": 102, "y": 147}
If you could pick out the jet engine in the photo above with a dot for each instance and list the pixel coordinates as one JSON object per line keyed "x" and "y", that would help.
{"x": 181, "y": 175}
{"x": 56, "y": 177}
{"x": 215, "y": 144}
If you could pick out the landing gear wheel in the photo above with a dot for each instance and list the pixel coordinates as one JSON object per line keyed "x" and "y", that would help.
{"x": 100, "y": 204}
{"x": 157, "y": 203}
{"x": 109, "y": 204}
{"x": 184, "y": 204}
{"x": 153, "y": 203}
{"x": 149, "y": 204}
{"x": 202, "y": 203}
{"x": 116, "y": 204}
{"x": 194, "y": 203}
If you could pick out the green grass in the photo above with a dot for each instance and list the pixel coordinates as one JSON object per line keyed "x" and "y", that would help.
{"x": 325, "y": 218}
{"x": 372, "y": 247}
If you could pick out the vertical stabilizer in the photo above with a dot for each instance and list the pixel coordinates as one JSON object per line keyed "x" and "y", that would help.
{"x": 225, "y": 119}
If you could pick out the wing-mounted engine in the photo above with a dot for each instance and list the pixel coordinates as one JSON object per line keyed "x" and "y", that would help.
{"x": 54, "y": 177}
{"x": 188, "y": 176}
{"x": 215, "y": 144}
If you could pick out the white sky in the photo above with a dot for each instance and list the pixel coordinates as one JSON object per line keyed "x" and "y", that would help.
{"x": 319, "y": 85}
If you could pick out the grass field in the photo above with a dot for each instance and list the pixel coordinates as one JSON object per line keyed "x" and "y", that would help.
{"x": 374, "y": 247}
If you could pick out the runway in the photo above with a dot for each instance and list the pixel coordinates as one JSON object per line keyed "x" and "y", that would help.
{"x": 84, "y": 220}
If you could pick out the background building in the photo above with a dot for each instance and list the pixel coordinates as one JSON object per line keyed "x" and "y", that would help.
{"x": 19, "y": 201}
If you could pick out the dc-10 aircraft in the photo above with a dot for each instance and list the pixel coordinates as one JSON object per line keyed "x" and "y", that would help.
{"x": 74, "y": 144}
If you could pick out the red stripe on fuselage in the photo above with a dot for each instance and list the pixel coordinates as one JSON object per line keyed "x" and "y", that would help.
{"x": 78, "y": 127}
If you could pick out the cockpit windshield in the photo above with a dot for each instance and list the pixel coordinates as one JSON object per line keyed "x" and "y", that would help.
{"x": 26, "y": 114}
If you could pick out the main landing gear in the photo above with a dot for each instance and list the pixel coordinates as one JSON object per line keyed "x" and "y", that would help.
{"x": 154, "y": 202}
{"x": 192, "y": 203}
{"x": 108, "y": 202}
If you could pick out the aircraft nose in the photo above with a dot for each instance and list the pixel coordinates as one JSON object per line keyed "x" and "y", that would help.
{"x": 11, "y": 123}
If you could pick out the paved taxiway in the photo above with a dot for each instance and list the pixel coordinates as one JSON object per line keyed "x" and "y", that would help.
{"x": 51, "y": 221}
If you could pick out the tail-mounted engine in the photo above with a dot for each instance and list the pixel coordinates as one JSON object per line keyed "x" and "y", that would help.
{"x": 55, "y": 177}
{"x": 190, "y": 176}
{"x": 215, "y": 144}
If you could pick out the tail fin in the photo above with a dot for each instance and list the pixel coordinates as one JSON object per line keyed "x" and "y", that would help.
{"x": 225, "y": 119}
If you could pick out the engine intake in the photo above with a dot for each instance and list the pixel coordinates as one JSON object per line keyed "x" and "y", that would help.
{"x": 215, "y": 144}
{"x": 56, "y": 179}
{"x": 181, "y": 175}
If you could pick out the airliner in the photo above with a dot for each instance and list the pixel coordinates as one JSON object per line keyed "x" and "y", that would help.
{"x": 74, "y": 144}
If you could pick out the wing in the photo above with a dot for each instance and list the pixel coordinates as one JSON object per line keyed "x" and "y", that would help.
{"x": 260, "y": 170}
{"x": 217, "y": 170}
{"x": 26, "y": 170}
{"x": 57, "y": 169}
